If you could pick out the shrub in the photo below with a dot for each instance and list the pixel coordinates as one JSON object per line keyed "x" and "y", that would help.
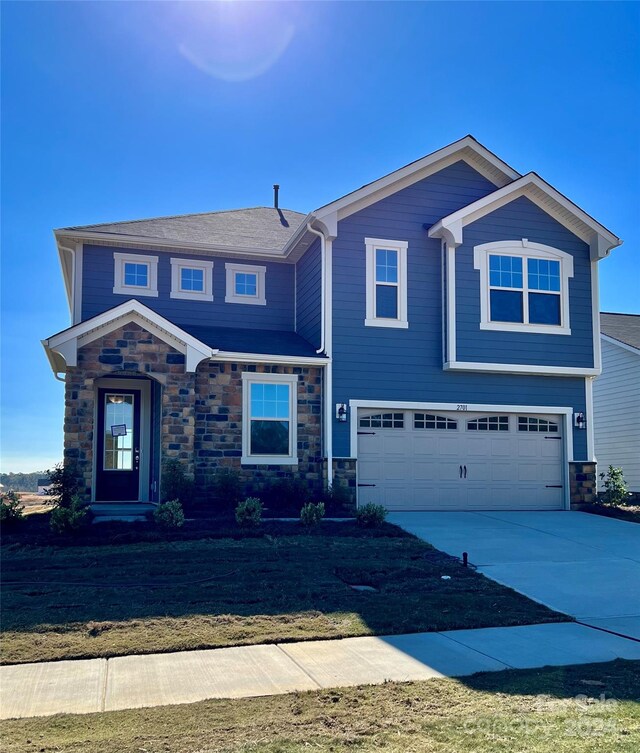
{"x": 615, "y": 488}
{"x": 71, "y": 518}
{"x": 337, "y": 499}
{"x": 227, "y": 488}
{"x": 63, "y": 485}
{"x": 249, "y": 512}
{"x": 370, "y": 515}
{"x": 11, "y": 510}
{"x": 169, "y": 515}
{"x": 311, "y": 514}
{"x": 176, "y": 485}
{"x": 286, "y": 495}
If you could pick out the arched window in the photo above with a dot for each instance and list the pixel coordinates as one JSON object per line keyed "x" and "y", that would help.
{"x": 524, "y": 287}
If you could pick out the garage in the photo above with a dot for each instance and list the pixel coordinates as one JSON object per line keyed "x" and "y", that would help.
{"x": 451, "y": 460}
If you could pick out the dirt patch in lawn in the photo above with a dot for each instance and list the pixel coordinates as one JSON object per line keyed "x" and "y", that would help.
{"x": 80, "y": 602}
{"x": 589, "y": 708}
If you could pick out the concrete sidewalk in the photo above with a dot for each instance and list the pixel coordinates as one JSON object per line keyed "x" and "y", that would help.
{"x": 87, "y": 686}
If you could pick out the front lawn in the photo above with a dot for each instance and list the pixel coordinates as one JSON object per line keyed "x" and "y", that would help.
{"x": 91, "y": 601}
{"x": 581, "y": 709}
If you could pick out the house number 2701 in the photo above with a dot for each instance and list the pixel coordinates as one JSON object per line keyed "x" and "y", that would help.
{"x": 462, "y": 406}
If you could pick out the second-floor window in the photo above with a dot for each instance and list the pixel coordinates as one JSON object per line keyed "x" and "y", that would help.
{"x": 192, "y": 279}
{"x": 246, "y": 284}
{"x": 135, "y": 275}
{"x": 524, "y": 287}
{"x": 386, "y": 297}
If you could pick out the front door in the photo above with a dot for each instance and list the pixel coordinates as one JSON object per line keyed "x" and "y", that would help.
{"x": 118, "y": 446}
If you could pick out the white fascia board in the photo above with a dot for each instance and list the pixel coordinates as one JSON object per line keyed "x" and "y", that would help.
{"x": 66, "y": 341}
{"x": 411, "y": 173}
{"x": 517, "y": 368}
{"x": 230, "y": 356}
{"x": 600, "y": 239}
{"x": 620, "y": 344}
{"x": 138, "y": 241}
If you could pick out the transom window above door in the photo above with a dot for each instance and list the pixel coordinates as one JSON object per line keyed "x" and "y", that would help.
{"x": 135, "y": 275}
{"x": 386, "y": 283}
{"x": 524, "y": 287}
{"x": 246, "y": 283}
{"x": 192, "y": 279}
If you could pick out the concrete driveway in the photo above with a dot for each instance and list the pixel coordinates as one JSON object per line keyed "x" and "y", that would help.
{"x": 584, "y": 565}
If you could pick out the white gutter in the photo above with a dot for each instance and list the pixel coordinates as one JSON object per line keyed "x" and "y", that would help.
{"x": 325, "y": 337}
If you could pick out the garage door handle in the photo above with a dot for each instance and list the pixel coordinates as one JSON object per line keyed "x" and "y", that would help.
{"x": 366, "y": 484}
{"x": 460, "y": 471}
{"x": 553, "y": 486}
{"x": 366, "y": 432}
{"x": 465, "y": 471}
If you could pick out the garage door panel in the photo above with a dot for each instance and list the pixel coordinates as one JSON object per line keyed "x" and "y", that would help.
{"x": 420, "y": 468}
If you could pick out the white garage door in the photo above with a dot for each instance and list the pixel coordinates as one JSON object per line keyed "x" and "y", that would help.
{"x": 438, "y": 460}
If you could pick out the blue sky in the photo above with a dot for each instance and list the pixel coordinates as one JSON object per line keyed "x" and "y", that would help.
{"x": 114, "y": 111}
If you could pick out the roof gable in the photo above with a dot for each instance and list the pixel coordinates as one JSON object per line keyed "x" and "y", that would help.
{"x": 624, "y": 329}
{"x": 537, "y": 190}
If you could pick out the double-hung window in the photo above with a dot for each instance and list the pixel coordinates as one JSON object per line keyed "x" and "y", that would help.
{"x": 192, "y": 279}
{"x": 269, "y": 425}
{"x": 524, "y": 287}
{"x": 135, "y": 275}
{"x": 246, "y": 284}
{"x": 386, "y": 296}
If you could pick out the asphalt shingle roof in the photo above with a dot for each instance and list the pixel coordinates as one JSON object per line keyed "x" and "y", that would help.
{"x": 622, "y": 327}
{"x": 238, "y": 340}
{"x": 257, "y": 227}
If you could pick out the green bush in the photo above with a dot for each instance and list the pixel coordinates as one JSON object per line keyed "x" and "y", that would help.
{"x": 615, "y": 489}
{"x": 337, "y": 499}
{"x": 176, "y": 485}
{"x": 63, "y": 485}
{"x": 286, "y": 495}
{"x": 249, "y": 513}
{"x": 169, "y": 515}
{"x": 227, "y": 488}
{"x": 11, "y": 510}
{"x": 71, "y": 518}
{"x": 370, "y": 515}
{"x": 311, "y": 514}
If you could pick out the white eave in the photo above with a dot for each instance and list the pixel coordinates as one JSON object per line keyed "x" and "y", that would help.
{"x": 466, "y": 149}
{"x": 62, "y": 348}
{"x": 551, "y": 201}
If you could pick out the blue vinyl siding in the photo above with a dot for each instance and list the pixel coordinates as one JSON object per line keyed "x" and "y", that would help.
{"x": 278, "y": 314}
{"x": 519, "y": 219}
{"x": 406, "y": 364}
{"x": 308, "y": 294}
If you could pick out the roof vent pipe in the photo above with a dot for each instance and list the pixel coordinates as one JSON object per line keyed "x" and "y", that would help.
{"x": 276, "y": 188}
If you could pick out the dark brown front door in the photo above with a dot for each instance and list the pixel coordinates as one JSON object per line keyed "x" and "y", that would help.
{"x": 118, "y": 456}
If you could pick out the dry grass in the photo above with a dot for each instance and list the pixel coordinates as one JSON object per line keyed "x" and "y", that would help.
{"x": 81, "y": 602}
{"x": 581, "y": 709}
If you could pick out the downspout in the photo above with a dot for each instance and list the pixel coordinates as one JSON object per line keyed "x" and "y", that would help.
{"x": 325, "y": 302}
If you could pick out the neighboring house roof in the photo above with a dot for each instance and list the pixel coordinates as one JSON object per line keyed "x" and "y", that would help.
{"x": 256, "y": 341}
{"x": 625, "y": 328}
{"x": 250, "y": 229}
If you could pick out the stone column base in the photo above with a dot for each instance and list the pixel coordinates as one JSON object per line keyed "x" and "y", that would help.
{"x": 582, "y": 484}
{"x": 344, "y": 475}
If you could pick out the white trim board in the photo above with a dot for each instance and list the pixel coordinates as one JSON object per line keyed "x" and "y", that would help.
{"x": 564, "y": 411}
{"x": 520, "y": 368}
{"x": 551, "y": 201}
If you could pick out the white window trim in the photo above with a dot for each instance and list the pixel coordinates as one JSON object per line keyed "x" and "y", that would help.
{"x": 249, "y": 378}
{"x": 119, "y": 287}
{"x": 177, "y": 265}
{"x": 525, "y": 250}
{"x": 260, "y": 298}
{"x": 372, "y": 245}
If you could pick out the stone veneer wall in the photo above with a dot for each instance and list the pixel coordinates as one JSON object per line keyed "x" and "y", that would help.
{"x": 582, "y": 483}
{"x": 201, "y": 422}
{"x": 126, "y": 352}
{"x": 218, "y": 425}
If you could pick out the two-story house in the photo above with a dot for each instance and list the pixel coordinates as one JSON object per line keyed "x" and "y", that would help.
{"x": 430, "y": 339}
